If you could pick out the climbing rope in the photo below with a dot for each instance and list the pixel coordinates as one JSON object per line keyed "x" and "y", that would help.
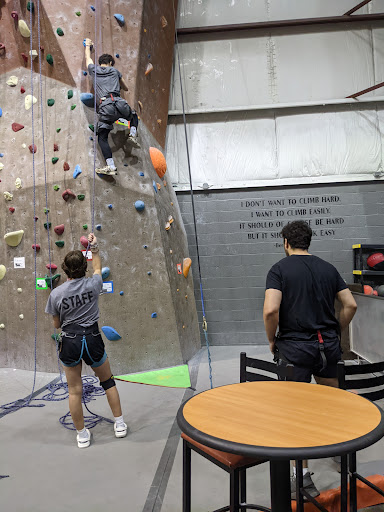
{"x": 204, "y": 322}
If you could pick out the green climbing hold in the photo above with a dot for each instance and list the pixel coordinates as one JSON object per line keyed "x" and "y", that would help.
{"x": 50, "y": 102}
{"x": 30, "y": 6}
{"x": 50, "y": 59}
{"x": 60, "y": 243}
{"x": 73, "y": 107}
{"x": 58, "y": 130}
{"x": 46, "y": 210}
{"x": 60, "y": 31}
{"x": 55, "y": 159}
{"x": 56, "y": 187}
{"x": 91, "y": 127}
{"x": 78, "y": 13}
{"x": 81, "y": 197}
{"x": 70, "y": 94}
{"x": 85, "y": 226}
{"x": 47, "y": 225}
{"x": 55, "y": 337}
{"x": 51, "y": 279}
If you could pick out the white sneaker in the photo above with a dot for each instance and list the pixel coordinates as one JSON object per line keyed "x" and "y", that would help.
{"x": 84, "y": 442}
{"x": 108, "y": 170}
{"x": 120, "y": 429}
{"x": 133, "y": 140}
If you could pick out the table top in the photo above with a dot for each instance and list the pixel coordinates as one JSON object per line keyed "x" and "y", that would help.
{"x": 281, "y": 420}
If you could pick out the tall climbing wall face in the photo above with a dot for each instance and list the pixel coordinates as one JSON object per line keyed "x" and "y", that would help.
{"x": 47, "y": 188}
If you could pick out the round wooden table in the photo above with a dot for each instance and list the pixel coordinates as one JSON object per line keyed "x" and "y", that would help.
{"x": 281, "y": 421}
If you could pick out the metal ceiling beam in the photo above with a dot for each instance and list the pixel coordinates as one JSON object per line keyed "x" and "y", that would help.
{"x": 269, "y": 25}
{"x": 357, "y": 7}
{"x": 373, "y": 88}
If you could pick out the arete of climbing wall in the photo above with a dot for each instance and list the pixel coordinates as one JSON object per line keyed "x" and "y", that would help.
{"x": 151, "y": 306}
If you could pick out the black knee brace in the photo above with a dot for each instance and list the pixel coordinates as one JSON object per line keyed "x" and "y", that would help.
{"x": 107, "y": 384}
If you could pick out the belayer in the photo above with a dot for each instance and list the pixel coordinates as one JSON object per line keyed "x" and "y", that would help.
{"x": 110, "y": 105}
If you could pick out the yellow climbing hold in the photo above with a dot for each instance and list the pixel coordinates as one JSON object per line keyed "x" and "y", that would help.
{"x": 3, "y": 271}
{"x": 29, "y": 100}
{"x": 24, "y": 30}
{"x": 33, "y": 54}
{"x": 18, "y": 183}
{"x": 14, "y": 238}
{"x": 8, "y": 196}
{"x": 12, "y": 81}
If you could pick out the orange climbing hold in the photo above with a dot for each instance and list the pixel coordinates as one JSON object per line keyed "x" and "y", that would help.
{"x": 158, "y": 161}
{"x": 187, "y": 262}
{"x": 16, "y": 127}
{"x": 148, "y": 69}
{"x": 164, "y": 21}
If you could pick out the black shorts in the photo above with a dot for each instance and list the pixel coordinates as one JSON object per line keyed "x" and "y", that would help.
{"x": 307, "y": 360}
{"x": 89, "y": 347}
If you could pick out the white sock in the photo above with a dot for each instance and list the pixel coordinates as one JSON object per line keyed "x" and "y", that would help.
{"x": 83, "y": 433}
{"x": 119, "y": 420}
{"x": 111, "y": 163}
{"x": 305, "y": 471}
{"x": 133, "y": 131}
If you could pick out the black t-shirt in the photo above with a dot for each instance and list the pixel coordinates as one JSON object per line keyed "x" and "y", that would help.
{"x": 309, "y": 286}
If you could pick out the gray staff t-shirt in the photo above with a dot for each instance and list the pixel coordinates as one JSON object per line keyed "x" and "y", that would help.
{"x": 76, "y": 301}
{"x": 107, "y": 80}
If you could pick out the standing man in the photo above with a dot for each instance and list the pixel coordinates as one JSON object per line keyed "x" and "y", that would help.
{"x": 299, "y": 299}
{"x": 110, "y": 106}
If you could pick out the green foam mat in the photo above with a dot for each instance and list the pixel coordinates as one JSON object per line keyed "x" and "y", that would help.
{"x": 176, "y": 377}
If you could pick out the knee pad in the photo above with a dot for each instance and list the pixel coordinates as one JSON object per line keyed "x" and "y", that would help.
{"x": 107, "y": 384}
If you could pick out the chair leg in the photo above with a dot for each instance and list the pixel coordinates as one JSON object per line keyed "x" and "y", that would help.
{"x": 186, "y": 477}
{"x": 352, "y": 483}
{"x": 243, "y": 489}
{"x": 344, "y": 483}
{"x": 299, "y": 485}
{"x": 234, "y": 504}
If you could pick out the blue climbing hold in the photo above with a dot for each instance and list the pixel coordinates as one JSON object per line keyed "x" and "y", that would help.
{"x": 110, "y": 206}
{"x": 1, "y": 112}
{"x": 1, "y": 155}
{"x": 110, "y": 333}
{"x": 105, "y": 271}
{"x": 88, "y": 99}
{"x": 121, "y": 293}
{"x": 93, "y": 8}
{"x": 149, "y": 273}
{"x": 154, "y": 315}
{"x": 77, "y": 171}
{"x": 98, "y": 227}
{"x": 85, "y": 73}
{"x": 154, "y": 185}
{"x": 120, "y": 18}
{"x": 90, "y": 138}
{"x": 125, "y": 165}
{"x": 139, "y": 205}
{"x": 117, "y": 56}
{"x": 145, "y": 246}
{"x": 141, "y": 174}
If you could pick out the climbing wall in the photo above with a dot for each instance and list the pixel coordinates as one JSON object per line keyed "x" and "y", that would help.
{"x": 147, "y": 299}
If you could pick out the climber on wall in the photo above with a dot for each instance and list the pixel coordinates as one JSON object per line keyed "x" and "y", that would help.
{"x": 110, "y": 106}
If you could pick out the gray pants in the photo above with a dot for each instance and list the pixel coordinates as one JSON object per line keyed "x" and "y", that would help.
{"x": 111, "y": 110}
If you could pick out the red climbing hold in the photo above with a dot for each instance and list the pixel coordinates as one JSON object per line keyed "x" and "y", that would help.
{"x": 2, "y": 47}
{"x": 41, "y": 48}
{"x": 32, "y": 149}
{"x": 25, "y": 58}
{"x": 84, "y": 241}
{"x": 15, "y": 15}
{"x": 16, "y": 127}
{"x": 36, "y": 247}
{"x": 55, "y": 147}
{"x": 59, "y": 230}
{"x": 11, "y": 209}
{"x": 68, "y": 194}
{"x": 22, "y": 90}
{"x": 66, "y": 166}
{"x": 51, "y": 266}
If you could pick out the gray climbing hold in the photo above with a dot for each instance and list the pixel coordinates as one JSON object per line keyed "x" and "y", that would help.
{"x": 77, "y": 171}
{"x": 88, "y": 99}
{"x": 105, "y": 271}
{"x": 120, "y": 18}
{"x": 110, "y": 333}
{"x": 139, "y": 205}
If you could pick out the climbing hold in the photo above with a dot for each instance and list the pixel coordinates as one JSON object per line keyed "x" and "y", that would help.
{"x": 117, "y": 56}
{"x": 11, "y": 209}
{"x": 23, "y": 146}
{"x": 55, "y": 147}
{"x": 120, "y": 18}
{"x": 87, "y": 98}
{"x": 68, "y": 194}
{"x": 16, "y": 127}
{"x": 78, "y": 13}
{"x": 33, "y": 54}
{"x": 70, "y": 94}
{"x": 149, "y": 273}
{"x": 110, "y": 206}
{"x": 15, "y": 15}
{"x": 140, "y": 105}
{"x": 36, "y": 219}
{"x": 85, "y": 226}
{"x": 59, "y": 230}
{"x": 165, "y": 184}
{"x": 164, "y": 21}
{"x": 125, "y": 165}
{"x": 55, "y": 337}
{"x": 56, "y": 187}
{"x": 105, "y": 271}
{"x": 55, "y": 159}
{"x": 21, "y": 316}
{"x": 1, "y": 167}
{"x": 73, "y": 107}
{"x": 28, "y": 101}
{"x": 110, "y": 333}
{"x": 50, "y": 280}
{"x": 171, "y": 204}
{"x": 84, "y": 241}
{"x": 170, "y": 251}
{"x": 19, "y": 290}
{"x": 60, "y": 243}
{"x": 41, "y": 48}
{"x": 81, "y": 197}
{"x": 12, "y": 81}
{"x": 24, "y": 30}
{"x": 49, "y": 59}
{"x": 47, "y": 225}
{"x": 159, "y": 122}
{"x": 170, "y": 219}
{"x": 60, "y": 31}
{"x": 141, "y": 173}
{"x": 121, "y": 293}
{"x": 30, "y": 6}
{"x": 186, "y": 296}
{"x": 2, "y": 47}
{"x": 158, "y": 161}
{"x": 145, "y": 246}
{"x": 50, "y": 102}
{"x": 58, "y": 130}
{"x": 85, "y": 73}
{"x": 3, "y": 271}
{"x": 139, "y": 205}
{"x": 66, "y": 166}
{"x": 77, "y": 171}
{"x": 25, "y": 57}
{"x": 154, "y": 315}
{"x": 167, "y": 226}
{"x": 98, "y": 227}
{"x": 8, "y": 196}
{"x": 91, "y": 127}
{"x": 154, "y": 186}
{"x": 51, "y": 266}
{"x": 18, "y": 183}
{"x": 46, "y": 210}
{"x": 14, "y": 238}
{"x": 2, "y": 326}
{"x": 93, "y": 8}
{"x": 148, "y": 69}
{"x": 1, "y": 155}
{"x": 1, "y": 112}
{"x": 158, "y": 186}
{"x": 186, "y": 266}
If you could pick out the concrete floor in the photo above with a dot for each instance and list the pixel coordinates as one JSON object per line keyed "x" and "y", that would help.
{"x": 141, "y": 473}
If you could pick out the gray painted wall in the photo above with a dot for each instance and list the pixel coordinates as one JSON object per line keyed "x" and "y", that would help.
{"x": 235, "y": 257}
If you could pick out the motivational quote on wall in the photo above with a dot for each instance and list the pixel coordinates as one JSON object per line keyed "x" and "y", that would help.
{"x": 273, "y": 214}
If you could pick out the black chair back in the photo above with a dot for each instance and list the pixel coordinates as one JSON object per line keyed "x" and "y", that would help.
{"x": 367, "y": 382}
{"x": 279, "y": 372}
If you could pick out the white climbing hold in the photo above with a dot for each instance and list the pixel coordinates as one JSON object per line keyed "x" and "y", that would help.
{"x": 8, "y": 196}
{"x": 1, "y": 167}
{"x": 18, "y": 183}
{"x": 24, "y": 30}
{"x": 12, "y": 81}
{"x": 24, "y": 146}
{"x": 14, "y": 238}
{"x": 33, "y": 54}
{"x": 3, "y": 271}
{"x": 2, "y": 326}
{"x": 19, "y": 290}
{"x": 28, "y": 101}
{"x": 21, "y": 316}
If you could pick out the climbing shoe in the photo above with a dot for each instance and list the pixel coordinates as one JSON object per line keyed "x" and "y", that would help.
{"x": 84, "y": 439}
{"x": 120, "y": 429}
{"x": 106, "y": 170}
{"x": 308, "y": 486}
{"x": 133, "y": 140}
